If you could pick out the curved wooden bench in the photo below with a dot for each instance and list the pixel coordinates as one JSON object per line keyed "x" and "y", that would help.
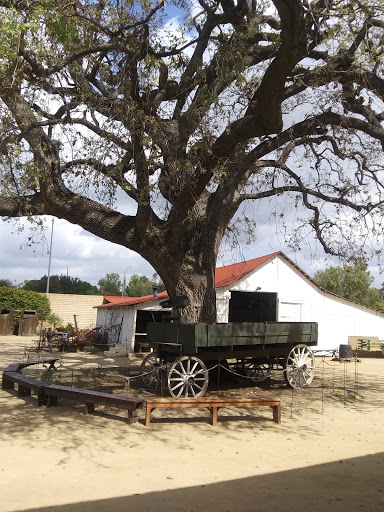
{"x": 25, "y": 385}
{"x": 17, "y": 367}
{"x": 14, "y": 368}
{"x": 49, "y": 393}
{"x": 92, "y": 398}
{"x": 213, "y": 404}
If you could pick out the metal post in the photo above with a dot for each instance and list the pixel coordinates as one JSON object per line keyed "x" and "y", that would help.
{"x": 50, "y": 256}
{"x": 124, "y": 282}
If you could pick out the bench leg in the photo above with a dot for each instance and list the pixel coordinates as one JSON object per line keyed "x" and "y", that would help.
{"x": 7, "y": 384}
{"x": 276, "y": 413}
{"x": 133, "y": 416}
{"x": 148, "y": 411}
{"x": 23, "y": 391}
{"x": 52, "y": 401}
{"x": 213, "y": 415}
{"x": 89, "y": 408}
{"x": 41, "y": 398}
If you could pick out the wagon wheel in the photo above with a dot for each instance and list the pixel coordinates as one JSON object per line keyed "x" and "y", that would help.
{"x": 257, "y": 372}
{"x": 251, "y": 369}
{"x": 187, "y": 376}
{"x": 300, "y": 367}
{"x": 150, "y": 372}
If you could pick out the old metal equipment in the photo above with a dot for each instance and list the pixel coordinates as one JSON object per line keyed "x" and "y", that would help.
{"x": 182, "y": 353}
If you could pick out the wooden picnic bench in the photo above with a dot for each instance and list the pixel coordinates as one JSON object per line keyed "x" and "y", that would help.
{"x": 25, "y": 385}
{"x": 213, "y": 404}
{"x": 92, "y": 398}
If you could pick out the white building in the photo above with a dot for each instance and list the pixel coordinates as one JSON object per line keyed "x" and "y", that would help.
{"x": 269, "y": 288}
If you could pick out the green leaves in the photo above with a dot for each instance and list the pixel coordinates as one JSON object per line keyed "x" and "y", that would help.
{"x": 64, "y": 28}
{"x": 12, "y": 32}
{"x": 14, "y": 298}
{"x": 352, "y": 282}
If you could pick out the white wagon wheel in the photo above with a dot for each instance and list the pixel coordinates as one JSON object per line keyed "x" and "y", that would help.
{"x": 150, "y": 372}
{"x": 187, "y": 376}
{"x": 300, "y": 367}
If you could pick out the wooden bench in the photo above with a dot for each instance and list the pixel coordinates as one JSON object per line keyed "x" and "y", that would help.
{"x": 213, "y": 404}
{"x": 14, "y": 368}
{"x": 92, "y": 398}
{"x": 17, "y": 367}
{"x": 25, "y": 385}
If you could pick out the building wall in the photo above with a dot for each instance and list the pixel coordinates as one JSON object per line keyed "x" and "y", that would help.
{"x": 120, "y": 322}
{"x": 67, "y": 305}
{"x": 117, "y": 323}
{"x": 300, "y": 300}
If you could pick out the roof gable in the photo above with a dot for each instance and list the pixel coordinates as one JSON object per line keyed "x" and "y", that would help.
{"x": 231, "y": 273}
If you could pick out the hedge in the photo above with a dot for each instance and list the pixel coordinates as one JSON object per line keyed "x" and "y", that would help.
{"x": 14, "y": 298}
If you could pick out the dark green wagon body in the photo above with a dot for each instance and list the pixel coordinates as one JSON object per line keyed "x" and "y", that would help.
{"x": 189, "y": 339}
{"x": 183, "y": 354}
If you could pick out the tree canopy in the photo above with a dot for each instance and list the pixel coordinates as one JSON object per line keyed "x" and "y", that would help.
{"x": 6, "y": 282}
{"x": 138, "y": 286}
{"x": 110, "y": 284}
{"x": 150, "y": 125}
{"x": 352, "y": 282}
{"x": 61, "y": 284}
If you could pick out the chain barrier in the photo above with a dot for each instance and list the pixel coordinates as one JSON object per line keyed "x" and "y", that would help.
{"x": 208, "y": 370}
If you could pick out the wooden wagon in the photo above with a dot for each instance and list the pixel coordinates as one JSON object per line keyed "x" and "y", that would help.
{"x": 183, "y": 353}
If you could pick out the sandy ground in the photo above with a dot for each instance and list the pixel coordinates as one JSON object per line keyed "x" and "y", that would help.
{"x": 327, "y": 454}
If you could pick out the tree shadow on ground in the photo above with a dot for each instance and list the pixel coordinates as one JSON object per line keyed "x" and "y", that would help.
{"x": 344, "y": 485}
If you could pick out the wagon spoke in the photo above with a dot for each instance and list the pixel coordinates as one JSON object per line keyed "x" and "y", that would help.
{"x": 194, "y": 367}
{"x": 182, "y": 369}
{"x": 177, "y": 386}
{"x": 179, "y": 393}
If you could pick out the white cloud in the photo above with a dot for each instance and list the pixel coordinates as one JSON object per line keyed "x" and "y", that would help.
{"x": 90, "y": 258}
{"x": 74, "y": 250}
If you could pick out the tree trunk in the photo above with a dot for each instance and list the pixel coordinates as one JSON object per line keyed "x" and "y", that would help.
{"x": 194, "y": 281}
{"x": 187, "y": 267}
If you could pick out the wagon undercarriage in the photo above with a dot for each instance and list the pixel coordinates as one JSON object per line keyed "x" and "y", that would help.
{"x": 167, "y": 368}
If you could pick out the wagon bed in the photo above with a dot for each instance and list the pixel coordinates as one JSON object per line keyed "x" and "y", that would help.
{"x": 180, "y": 351}
{"x": 197, "y": 338}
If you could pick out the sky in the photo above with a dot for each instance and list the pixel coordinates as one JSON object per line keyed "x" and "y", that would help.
{"x": 78, "y": 253}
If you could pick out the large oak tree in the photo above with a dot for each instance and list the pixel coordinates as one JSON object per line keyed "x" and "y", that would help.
{"x": 240, "y": 101}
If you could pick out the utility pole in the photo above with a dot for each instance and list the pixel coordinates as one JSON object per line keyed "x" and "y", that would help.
{"x": 50, "y": 257}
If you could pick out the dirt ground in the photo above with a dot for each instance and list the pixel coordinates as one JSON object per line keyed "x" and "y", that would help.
{"x": 327, "y": 454}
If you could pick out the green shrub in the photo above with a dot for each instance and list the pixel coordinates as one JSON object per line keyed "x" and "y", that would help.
{"x": 16, "y": 299}
{"x": 54, "y": 319}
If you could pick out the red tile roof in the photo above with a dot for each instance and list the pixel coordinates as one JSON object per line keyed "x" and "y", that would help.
{"x": 224, "y": 276}
{"x": 231, "y": 273}
{"x": 129, "y": 301}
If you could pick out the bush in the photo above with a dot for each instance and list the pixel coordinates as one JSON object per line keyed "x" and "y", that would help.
{"x": 16, "y": 299}
{"x": 54, "y": 319}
